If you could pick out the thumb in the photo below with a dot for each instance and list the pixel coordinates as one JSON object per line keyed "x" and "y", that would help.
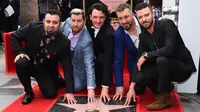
{"x": 64, "y": 99}
{"x": 134, "y": 99}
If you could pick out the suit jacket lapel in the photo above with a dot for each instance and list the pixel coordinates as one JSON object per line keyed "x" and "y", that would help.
{"x": 79, "y": 42}
{"x": 129, "y": 40}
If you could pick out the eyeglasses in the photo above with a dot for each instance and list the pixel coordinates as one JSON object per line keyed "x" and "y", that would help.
{"x": 77, "y": 11}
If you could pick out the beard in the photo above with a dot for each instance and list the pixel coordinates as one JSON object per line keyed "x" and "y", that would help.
{"x": 76, "y": 30}
{"x": 127, "y": 25}
{"x": 51, "y": 32}
{"x": 147, "y": 25}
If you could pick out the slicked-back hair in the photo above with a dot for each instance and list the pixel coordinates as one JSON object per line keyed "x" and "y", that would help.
{"x": 53, "y": 12}
{"x": 142, "y": 5}
{"x": 99, "y": 7}
{"x": 77, "y": 11}
{"x": 121, "y": 7}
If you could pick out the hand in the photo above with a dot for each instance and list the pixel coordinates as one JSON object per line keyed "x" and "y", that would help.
{"x": 129, "y": 95}
{"x": 119, "y": 93}
{"x": 91, "y": 96}
{"x": 141, "y": 61}
{"x": 21, "y": 56}
{"x": 70, "y": 98}
{"x": 104, "y": 94}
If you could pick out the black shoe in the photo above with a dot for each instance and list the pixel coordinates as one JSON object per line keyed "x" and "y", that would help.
{"x": 28, "y": 98}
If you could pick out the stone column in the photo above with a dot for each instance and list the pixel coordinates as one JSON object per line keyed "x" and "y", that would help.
{"x": 28, "y": 11}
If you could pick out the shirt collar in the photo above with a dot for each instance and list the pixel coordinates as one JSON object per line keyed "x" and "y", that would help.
{"x": 137, "y": 25}
{"x": 95, "y": 28}
{"x": 78, "y": 34}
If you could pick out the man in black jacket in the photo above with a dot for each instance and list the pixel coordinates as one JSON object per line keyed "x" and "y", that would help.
{"x": 98, "y": 24}
{"x": 163, "y": 58}
{"x": 44, "y": 47}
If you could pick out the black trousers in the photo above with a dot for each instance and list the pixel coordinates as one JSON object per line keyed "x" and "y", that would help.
{"x": 48, "y": 82}
{"x": 159, "y": 74}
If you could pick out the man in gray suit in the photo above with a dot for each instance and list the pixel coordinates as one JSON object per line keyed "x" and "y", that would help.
{"x": 82, "y": 52}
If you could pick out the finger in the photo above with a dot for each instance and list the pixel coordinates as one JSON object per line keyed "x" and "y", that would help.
{"x": 127, "y": 101}
{"x": 74, "y": 101}
{"x": 16, "y": 59}
{"x": 71, "y": 101}
{"x": 68, "y": 101}
{"x": 100, "y": 98}
{"x": 120, "y": 97}
{"x": 63, "y": 99}
{"x": 139, "y": 67}
{"x": 108, "y": 97}
{"x": 116, "y": 96}
{"x": 134, "y": 99}
{"x": 21, "y": 56}
{"x": 93, "y": 99}
{"x": 104, "y": 98}
{"x": 27, "y": 57}
{"x": 89, "y": 100}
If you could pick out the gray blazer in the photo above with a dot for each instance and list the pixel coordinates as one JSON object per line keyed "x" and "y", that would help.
{"x": 83, "y": 60}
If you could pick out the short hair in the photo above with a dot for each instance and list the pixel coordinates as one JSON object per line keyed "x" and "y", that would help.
{"x": 53, "y": 12}
{"x": 77, "y": 11}
{"x": 99, "y": 7}
{"x": 121, "y": 7}
{"x": 143, "y": 5}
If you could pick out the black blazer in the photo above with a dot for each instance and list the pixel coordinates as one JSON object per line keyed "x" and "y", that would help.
{"x": 32, "y": 35}
{"x": 103, "y": 46}
{"x": 165, "y": 41}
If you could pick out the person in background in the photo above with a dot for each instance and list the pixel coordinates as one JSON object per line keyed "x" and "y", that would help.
{"x": 3, "y": 19}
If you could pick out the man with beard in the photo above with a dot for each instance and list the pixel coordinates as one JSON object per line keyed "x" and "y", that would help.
{"x": 162, "y": 58}
{"x": 126, "y": 39}
{"x": 82, "y": 52}
{"x": 44, "y": 47}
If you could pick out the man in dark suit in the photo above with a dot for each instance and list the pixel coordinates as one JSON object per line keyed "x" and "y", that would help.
{"x": 162, "y": 58}
{"x": 98, "y": 24}
{"x": 44, "y": 47}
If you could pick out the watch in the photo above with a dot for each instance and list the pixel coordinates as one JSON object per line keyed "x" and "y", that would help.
{"x": 143, "y": 54}
{"x": 145, "y": 57}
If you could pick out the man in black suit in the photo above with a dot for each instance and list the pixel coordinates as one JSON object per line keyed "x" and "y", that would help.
{"x": 98, "y": 24}
{"x": 163, "y": 58}
{"x": 44, "y": 47}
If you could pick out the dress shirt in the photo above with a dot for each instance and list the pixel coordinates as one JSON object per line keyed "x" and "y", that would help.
{"x": 74, "y": 39}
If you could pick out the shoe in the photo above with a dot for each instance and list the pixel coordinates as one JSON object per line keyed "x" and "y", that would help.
{"x": 162, "y": 101}
{"x": 28, "y": 98}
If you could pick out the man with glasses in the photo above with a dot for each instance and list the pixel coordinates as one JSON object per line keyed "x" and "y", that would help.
{"x": 82, "y": 52}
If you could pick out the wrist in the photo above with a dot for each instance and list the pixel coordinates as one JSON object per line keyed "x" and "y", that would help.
{"x": 145, "y": 55}
{"x": 132, "y": 85}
